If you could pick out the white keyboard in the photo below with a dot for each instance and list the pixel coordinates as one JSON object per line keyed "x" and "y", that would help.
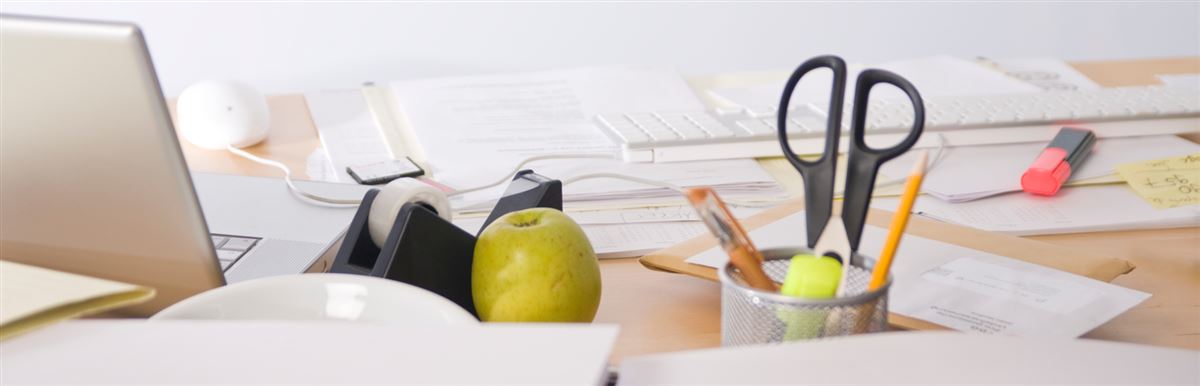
{"x": 968, "y": 120}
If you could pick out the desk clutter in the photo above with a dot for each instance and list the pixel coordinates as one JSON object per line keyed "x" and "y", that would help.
{"x": 971, "y": 180}
{"x": 461, "y": 233}
{"x": 625, "y": 219}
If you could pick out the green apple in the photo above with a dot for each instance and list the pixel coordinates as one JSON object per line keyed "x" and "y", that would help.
{"x": 535, "y": 265}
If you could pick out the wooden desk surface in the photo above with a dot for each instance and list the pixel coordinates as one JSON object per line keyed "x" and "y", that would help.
{"x": 660, "y": 311}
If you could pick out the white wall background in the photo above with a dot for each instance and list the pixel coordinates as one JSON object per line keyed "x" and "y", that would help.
{"x": 288, "y": 47}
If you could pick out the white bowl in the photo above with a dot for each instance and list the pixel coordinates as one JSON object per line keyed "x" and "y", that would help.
{"x": 322, "y": 296}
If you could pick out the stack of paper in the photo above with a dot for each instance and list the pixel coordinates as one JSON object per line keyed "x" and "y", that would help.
{"x": 474, "y": 130}
{"x": 478, "y": 128}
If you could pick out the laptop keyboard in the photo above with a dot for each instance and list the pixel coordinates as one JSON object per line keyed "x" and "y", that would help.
{"x": 231, "y": 248}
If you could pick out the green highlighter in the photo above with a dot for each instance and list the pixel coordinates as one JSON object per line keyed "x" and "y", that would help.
{"x": 809, "y": 277}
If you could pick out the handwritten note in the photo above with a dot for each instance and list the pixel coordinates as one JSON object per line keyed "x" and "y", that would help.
{"x": 1165, "y": 183}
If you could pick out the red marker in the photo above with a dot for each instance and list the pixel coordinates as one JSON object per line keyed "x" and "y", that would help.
{"x": 1053, "y": 167}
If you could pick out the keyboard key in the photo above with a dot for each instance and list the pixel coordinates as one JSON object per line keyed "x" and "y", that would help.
{"x": 239, "y": 244}
{"x": 667, "y": 117}
{"x": 227, "y": 255}
{"x": 634, "y": 136}
{"x": 643, "y": 118}
{"x": 810, "y": 123}
{"x": 761, "y": 112}
{"x": 612, "y": 119}
{"x": 664, "y": 134}
{"x": 704, "y": 119}
{"x": 653, "y": 126}
{"x": 726, "y": 111}
{"x": 756, "y": 126}
{"x": 225, "y": 265}
{"x": 218, "y": 241}
{"x": 719, "y": 132}
{"x": 688, "y": 130}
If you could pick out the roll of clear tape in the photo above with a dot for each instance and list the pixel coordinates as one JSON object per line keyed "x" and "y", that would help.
{"x": 393, "y": 196}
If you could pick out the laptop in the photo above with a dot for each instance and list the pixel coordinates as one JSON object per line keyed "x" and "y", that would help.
{"x": 93, "y": 181}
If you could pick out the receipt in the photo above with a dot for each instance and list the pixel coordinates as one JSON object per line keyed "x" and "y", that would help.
{"x": 1012, "y": 298}
{"x": 1034, "y": 289}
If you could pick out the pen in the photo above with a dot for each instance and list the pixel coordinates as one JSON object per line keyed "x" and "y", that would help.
{"x": 899, "y": 221}
{"x": 742, "y": 253}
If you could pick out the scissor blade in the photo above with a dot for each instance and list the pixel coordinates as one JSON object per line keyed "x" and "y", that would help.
{"x": 835, "y": 241}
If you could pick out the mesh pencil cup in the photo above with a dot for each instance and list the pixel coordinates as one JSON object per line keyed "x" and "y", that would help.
{"x": 752, "y": 316}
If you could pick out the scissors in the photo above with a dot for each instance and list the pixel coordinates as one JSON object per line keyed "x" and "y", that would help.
{"x": 827, "y": 234}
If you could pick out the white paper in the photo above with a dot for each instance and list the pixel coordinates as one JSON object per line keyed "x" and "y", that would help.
{"x": 677, "y": 213}
{"x": 1046, "y": 73}
{"x": 1043, "y": 289}
{"x": 974, "y": 172}
{"x": 620, "y": 240}
{"x": 965, "y": 307}
{"x": 348, "y": 133}
{"x": 127, "y": 352}
{"x": 629, "y": 240}
{"x": 934, "y": 76}
{"x": 476, "y": 129}
{"x": 1073, "y": 210}
{"x": 920, "y": 357}
{"x": 1180, "y": 80}
{"x": 319, "y": 168}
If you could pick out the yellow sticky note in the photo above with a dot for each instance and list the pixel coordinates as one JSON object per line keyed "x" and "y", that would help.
{"x": 1165, "y": 183}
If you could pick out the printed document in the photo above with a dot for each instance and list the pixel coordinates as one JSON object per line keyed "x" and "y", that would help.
{"x": 934, "y": 76}
{"x": 1046, "y": 73}
{"x": 476, "y": 129}
{"x": 971, "y": 290}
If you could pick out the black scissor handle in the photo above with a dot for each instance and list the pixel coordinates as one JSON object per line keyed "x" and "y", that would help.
{"x": 858, "y": 120}
{"x": 834, "y": 122}
{"x": 818, "y": 174}
{"x": 864, "y": 160}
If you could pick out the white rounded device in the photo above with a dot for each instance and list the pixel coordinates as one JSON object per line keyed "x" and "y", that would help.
{"x": 322, "y": 296}
{"x": 218, "y": 114}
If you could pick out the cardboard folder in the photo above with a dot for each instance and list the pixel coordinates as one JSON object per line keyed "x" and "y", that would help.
{"x": 673, "y": 259}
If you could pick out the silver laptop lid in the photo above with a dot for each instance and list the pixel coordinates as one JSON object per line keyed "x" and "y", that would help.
{"x": 92, "y": 179}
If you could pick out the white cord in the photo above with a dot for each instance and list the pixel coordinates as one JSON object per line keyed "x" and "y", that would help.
{"x": 287, "y": 178}
{"x": 508, "y": 177}
{"x": 934, "y": 161}
{"x": 581, "y": 177}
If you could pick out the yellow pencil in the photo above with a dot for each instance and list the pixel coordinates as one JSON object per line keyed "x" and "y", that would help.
{"x": 899, "y": 221}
